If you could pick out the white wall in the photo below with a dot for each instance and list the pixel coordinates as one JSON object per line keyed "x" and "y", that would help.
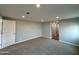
{"x": 0, "y": 29}
{"x": 26, "y": 30}
{"x": 69, "y": 31}
{"x": 46, "y": 29}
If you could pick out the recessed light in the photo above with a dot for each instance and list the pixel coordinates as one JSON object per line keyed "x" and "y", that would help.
{"x": 37, "y": 5}
{"x": 23, "y": 16}
{"x": 57, "y": 17}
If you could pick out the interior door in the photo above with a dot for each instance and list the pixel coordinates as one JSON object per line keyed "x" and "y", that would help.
{"x": 8, "y": 33}
{"x": 55, "y": 30}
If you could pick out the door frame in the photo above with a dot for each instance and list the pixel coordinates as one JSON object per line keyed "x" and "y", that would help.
{"x": 57, "y": 30}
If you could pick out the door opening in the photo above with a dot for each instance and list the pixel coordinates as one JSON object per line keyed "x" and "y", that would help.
{"x": 55, "y": 30}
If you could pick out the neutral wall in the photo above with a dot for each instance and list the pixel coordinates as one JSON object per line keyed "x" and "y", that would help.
{"x": 69, "y": 31}
{"x": 26, "y": 30}
{"x": 46, "y": 29}
{"x": 0, "y": 30}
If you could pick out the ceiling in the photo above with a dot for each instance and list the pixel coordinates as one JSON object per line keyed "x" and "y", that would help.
{"x": 46, "y": 12}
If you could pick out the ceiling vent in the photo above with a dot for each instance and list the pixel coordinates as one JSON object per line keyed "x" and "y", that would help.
{"x": 27, "y": 12}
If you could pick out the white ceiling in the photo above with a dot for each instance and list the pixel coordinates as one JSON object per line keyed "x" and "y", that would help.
{"x": 47, "y": 12}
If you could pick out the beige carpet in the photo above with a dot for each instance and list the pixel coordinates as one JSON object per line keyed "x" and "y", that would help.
{"x": 40, "y": 46}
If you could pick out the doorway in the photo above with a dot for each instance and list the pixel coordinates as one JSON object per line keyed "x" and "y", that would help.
{"x": 55, "y": 30}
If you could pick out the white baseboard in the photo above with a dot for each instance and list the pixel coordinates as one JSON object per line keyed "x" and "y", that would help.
{"x": 69, "y": 43}
{"x": 26, "y": 39}
{"x": 22, "y": 41}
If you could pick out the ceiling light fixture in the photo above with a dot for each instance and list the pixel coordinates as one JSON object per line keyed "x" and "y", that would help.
{"x": 23, "y": 16}
{"x": 37, "y": 5}
{"x": 57, "y": 17}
